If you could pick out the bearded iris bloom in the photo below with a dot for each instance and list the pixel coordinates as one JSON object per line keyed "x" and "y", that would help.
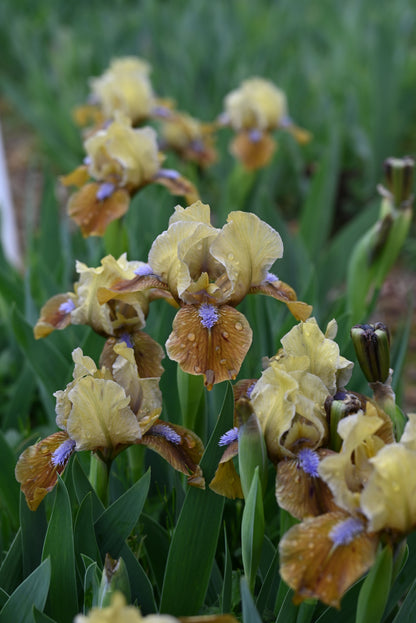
{"x": 120, "y": 160}
{"x": 374, "y": 490}
{"x": 189, "y": 138}
{"x": 208, "y": 272}
{"x": 255, "y": 110}
{"x": 121, "y": 319}
{"x": 104, "y": 411}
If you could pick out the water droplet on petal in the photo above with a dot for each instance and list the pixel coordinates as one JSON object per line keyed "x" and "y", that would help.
{"x": 225, "y": 334}
{"x": 238, "y": 326}
{"x": 191, "y": 337}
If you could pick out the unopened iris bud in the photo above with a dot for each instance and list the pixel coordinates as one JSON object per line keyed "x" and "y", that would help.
{"x": 337, "y": 407}
{"x": 251, "y": 447}
{"x": 399, "y": 179}
{"x": 114, "y": 579}
{"x": 372, "y": 347}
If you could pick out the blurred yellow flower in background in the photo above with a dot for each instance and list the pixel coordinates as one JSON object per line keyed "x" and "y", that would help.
{"x": 254, "y": 111}
{"x": 124, "y": 87}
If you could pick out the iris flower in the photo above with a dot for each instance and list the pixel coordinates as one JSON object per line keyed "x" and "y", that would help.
{"x": 289, "y": 402}
{"x": 104, "y": 411}
{"x": 373, "y": 484}
{"x": 255, "y": 110}
{"x": 126, "y": 87}
{"x": 120, "y": 160}
{"x": 189, "y": 138}
{"x": 120, "y": 319}
{"x": 208, "y": 272}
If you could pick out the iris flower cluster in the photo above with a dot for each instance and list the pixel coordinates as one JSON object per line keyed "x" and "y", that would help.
{"x": 130, "y": 129}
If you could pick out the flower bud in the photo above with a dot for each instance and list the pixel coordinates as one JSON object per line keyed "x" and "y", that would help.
{"x": 372, "y": 347}
{"x": 114, "y": 579}
{"x": 251, "y": 447}
{"x": 399, "y": 179}
{"x": 337, "y": 407}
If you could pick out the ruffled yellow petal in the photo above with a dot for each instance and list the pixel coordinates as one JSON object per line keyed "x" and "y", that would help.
{"x": 247, "y": 247}
{"x": 315, "y": 568}
{"x": 279, "y": 399}
{"x": 94, "y": 215}
{"x": 389, "y": 496}
{"x": 55, "y": 314}
{"x": 123, "y": 155}
{"x": 36, "y": 471}
{"x": 257, "y": 103}
{"x": 185, "y": 238}
{"x": 100, "y": 416}
{"x": 148, "y": 354}
{"x": 125, "y": 87}
{"x": 108, "y": 319}
{"x": 346, "y": 471}
{"x": 215, "y": 352}
{"x": 198, "y": 212}
{"x": 408, "y": 439}
{"x": 325, "y": 361}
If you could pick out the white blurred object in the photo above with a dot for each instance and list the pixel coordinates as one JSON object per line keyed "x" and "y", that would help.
{"x": 9, "y": 235}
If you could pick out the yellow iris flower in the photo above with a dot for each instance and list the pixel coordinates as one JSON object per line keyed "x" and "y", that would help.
{"x": 208, "y": 272}
{"x": 105, "y": 410}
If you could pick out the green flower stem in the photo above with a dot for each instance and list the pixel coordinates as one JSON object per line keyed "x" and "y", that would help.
{"x": 135, "y": 456}
{"x": 386, "y": 399}
{"x": 99, "y": 476}
{"x": 116, "y": 238}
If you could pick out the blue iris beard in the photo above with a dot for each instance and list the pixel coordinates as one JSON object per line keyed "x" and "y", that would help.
{"x": 208, "y": 314}
{"x": 309, "y": 460}
{"x": 346, "y": 531}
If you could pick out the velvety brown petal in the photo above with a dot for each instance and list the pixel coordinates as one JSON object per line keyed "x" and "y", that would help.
{"x": 93, "y": 215}
{"x": 179, "y": 186}
{"x": 283, "y": 292}
{"x": 315, "y": 568}
{"x": 216, "y": 352}
{"x": 147, "y": 353}
{"x": 253, "y": 155}
{"x": 242, "y": 388}
{"x": 301, "y": 494}
{"x": 181, "y": 447}
{"x": 36, "y": 472}
{"x": 53, "y": 315}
